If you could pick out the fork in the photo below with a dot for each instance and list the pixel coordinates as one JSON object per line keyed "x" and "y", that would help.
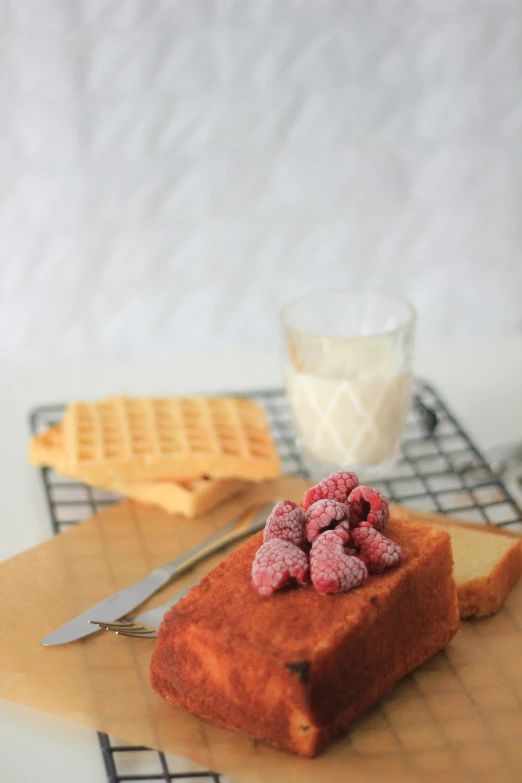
{"x": 146, "y": 624}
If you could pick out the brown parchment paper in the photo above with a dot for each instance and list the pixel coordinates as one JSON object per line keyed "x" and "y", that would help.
{"x": 459, "y": 717}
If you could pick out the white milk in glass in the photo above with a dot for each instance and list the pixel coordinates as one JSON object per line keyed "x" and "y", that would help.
{"x": 351, "y": 408}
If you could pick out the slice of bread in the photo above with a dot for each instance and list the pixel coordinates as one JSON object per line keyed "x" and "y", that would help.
{"x": 487, "y": 560}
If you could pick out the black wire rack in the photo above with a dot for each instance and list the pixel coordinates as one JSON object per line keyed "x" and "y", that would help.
{"x": 439, "y": 469}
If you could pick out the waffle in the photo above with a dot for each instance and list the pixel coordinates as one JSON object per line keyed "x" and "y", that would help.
{"x": 46, "y": 448}
{"x": 188, "y": 498}
{"x": 136, "y": 439}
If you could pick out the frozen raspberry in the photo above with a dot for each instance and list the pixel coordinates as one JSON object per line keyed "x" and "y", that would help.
{"x": 355, "y": 553}
{"x": 333, "y": 570}
{"x": 340, "y": 533}
{"x": 335, "y": 487}
{"x": 369, "y": 505}
{"x": 287, "y": 522}
{"x": 276, "y": 564}
{"x": 378, "y": 550}
{"x": 322, "y": 514}
{"x": 344, "y": 525}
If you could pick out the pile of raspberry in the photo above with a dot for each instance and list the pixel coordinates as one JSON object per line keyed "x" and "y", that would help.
{"x": 333, "y": 539}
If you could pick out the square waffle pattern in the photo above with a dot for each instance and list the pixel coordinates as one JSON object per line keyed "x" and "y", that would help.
{"x": 430, "y": 725}
{"x": 176, "y": 438}
{"x": 188, "y": 498}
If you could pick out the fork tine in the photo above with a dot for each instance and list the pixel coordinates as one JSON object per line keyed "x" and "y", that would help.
{"x": 125, "y": 622}
{"x": 126, "y": 627}
{"x": 136, "y": 633}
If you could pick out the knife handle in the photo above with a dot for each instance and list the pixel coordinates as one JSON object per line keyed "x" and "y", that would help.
{"x": 232, "y": 532}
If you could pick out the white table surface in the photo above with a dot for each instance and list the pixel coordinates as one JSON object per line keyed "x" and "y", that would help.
{"x": 481, "y": 379}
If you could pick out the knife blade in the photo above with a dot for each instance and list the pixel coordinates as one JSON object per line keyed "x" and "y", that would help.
{"x": 118, "y": 604}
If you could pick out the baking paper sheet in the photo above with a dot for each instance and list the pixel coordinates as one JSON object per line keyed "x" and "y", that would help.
{"x": 458, "y": 717}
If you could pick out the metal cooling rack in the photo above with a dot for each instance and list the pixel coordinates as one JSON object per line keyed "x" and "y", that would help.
{"x": 440, "y": 469}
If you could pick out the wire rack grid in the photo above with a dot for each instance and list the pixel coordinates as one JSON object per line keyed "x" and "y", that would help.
{"x": 439, "y": 469}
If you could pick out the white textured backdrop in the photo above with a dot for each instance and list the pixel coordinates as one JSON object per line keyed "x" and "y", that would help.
{"x": 173, "y": 171}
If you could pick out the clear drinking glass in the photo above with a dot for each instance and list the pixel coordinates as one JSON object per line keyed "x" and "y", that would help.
{"x": 347, "y": 367}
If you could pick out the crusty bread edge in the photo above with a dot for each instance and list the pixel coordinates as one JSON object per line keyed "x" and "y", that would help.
{"x": 477, "y": 597}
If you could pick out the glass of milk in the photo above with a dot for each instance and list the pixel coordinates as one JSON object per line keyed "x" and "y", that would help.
{"x": 347, "y": 367}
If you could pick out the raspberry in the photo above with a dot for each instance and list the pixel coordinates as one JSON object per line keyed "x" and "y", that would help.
{"x": 286, "y": 522}
{"x": 341, "y": 533}
{"x": 378, "y": 550}
{"x": 332, "y": 569}
{"x": 322, "y": 514}
{"x": 276, "y": 563}
{"x": 369, "y": 505}
{"x": 355, "y": 553}
{"x": 335, "y": 487}
{"x": 344, "y": 525}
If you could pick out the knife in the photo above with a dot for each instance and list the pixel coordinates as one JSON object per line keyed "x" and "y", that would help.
{"x": 129, "y": 598}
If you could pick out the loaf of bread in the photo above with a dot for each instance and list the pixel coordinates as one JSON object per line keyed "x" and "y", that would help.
{"x": 296, "y": 668}
{"x": 488, "y": 560}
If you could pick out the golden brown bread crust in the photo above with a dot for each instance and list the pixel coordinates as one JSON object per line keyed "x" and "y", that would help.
{"x": 481, "y": 596}
{"x": 294, "y": 669}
